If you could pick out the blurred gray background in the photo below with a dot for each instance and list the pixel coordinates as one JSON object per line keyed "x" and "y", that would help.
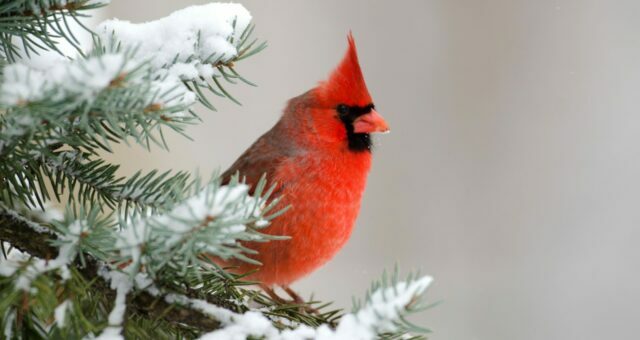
{"x": 512, "y": 173}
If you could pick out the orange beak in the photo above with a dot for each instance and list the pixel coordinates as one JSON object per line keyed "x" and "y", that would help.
{"x": 370, "y": 123}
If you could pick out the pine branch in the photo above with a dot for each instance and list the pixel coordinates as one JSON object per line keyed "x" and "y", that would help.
{"x": 129, "y": 98}
{"x": 95, "y": 181}
{"x": 20, "y": 233}
{"x": 230, "y": 207}
{"x": 168, "y": 246}
{"x": 201, "y": 67}
{"x": 31, "y": 132}
{"x": 125, "y": 99}
{"x": 26, "y": 235}
{"x": 90, "y": 181}
{"x": 37, "y": 25}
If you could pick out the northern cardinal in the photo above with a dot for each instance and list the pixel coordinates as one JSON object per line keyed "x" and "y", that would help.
{"x": 318, "y": 155}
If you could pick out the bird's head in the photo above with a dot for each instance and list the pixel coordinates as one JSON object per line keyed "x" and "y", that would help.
{"x": 345, "y": 110}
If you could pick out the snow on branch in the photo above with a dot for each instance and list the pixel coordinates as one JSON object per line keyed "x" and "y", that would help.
{"x": 383, "y": 312}
{"x": 137, "y": 79}
{"x": 211, "y": 221}
{"x": 33, "y": 243}
{"x": 60, "y": 79}
{"x": 198, "y": 45}
{"x": 122, "y": 284}
{"x": 29, "y": 27}
{"x": 83, "y": 80}
{"x": 187, "y": 40}
{"x": 35, "y": 267}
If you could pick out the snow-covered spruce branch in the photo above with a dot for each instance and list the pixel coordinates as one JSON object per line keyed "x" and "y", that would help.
{"x": 31, "y": 240}
{"x": 122, "y": 101}
{"x": 91, "y": 182}
{"x": 382, "y": 314}
{"x": 28, "y": 25}
{"x": 131, "y": 86}
{"x": 198, "y": 44}
{"x": 95, "y": 181}
{"x": 164, "y": 247}
{"x": 89, "y": 103}
{"x": 212, "y": 221}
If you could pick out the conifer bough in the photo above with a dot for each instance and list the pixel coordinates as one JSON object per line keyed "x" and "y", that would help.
{"x": 125, "y": 259}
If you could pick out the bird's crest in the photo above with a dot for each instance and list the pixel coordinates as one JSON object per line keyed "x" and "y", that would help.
{"x": 346, "y": 83}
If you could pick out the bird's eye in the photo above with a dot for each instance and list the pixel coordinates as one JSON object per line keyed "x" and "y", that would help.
{"x": 342, "y": 109}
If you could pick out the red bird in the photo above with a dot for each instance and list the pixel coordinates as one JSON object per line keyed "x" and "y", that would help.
{"x": 318, "y": 154}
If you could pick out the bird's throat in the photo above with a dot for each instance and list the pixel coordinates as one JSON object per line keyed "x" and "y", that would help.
{"x": 358, "y": 142}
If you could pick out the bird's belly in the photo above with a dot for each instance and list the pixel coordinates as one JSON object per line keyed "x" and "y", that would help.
{"x": 319, "y": 222}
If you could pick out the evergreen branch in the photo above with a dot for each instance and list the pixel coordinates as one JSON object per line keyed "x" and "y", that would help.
{"x": 90, "y": 182}
{"x": 153, "y": 191}
{"x": 153, "y": 307}
{"x": 383, "y": 313}
{"x": 87, "y": 104}
{"x": 127, "y": 99}
{"x": 390, "y": 301}
{"x": 21, "y": 234}
{"x": 128, "y": 103}
{"x": 25, "y": 235}
{"x": 95, "y": 181}
{"x": 381, "y": 316}
{"x": 195, "y": 61}
{"x": 171, "y": 244}
{"x": 210, "y": 221}
{"x": 38, "y": 24}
